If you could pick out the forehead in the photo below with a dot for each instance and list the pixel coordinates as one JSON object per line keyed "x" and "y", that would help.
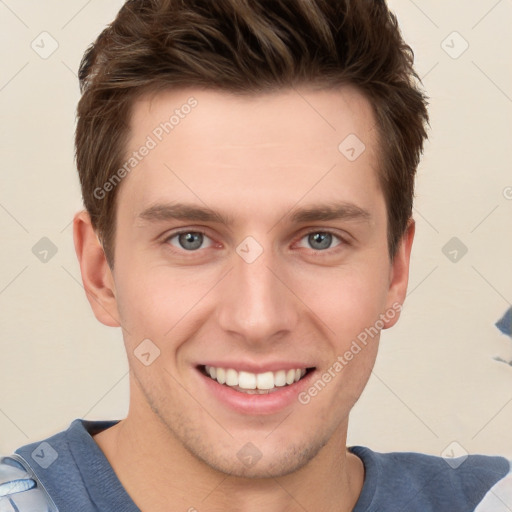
{"x": 216, "y": 147}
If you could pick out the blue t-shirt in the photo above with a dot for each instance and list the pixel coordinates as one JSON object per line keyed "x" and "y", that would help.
{"x": 69, "y": 473}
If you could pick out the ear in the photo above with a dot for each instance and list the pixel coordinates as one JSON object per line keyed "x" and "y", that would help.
{"x": 97, "y": 278}
{"x": 399, "y": 276}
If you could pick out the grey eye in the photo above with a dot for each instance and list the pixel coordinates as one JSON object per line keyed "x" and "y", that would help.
{"x": 188, "y": 240}
{"x": 320, "y": 240}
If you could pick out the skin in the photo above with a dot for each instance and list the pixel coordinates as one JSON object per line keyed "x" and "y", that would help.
{"x": 257, "y": 159}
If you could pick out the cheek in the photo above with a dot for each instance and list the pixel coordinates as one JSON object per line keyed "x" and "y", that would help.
{"x": 143, "y": 302}
{"x": 153, "y": 300}
{"x": 347, "y": 299}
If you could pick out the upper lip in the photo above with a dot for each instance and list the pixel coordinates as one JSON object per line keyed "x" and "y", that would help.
{"x": 251, "y": 367}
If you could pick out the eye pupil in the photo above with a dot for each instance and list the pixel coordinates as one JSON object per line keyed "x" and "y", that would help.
{"x": 323, "y": 238}
{"x": 196, "y": 239}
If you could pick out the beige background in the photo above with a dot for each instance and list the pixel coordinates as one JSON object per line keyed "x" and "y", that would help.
{"x": 435, "y": 381}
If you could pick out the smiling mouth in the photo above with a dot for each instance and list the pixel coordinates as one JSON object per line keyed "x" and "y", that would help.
{"x": 254, "y": 383}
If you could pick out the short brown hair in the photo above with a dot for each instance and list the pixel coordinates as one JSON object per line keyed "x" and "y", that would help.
{"x": 249, "y": 47}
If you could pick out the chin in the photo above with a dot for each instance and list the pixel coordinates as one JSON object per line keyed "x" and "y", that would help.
{"x": 269, "y": 465}
{"x": 263, "y": 459}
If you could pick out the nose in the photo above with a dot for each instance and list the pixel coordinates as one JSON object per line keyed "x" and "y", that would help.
{"x": 256, "y": 300}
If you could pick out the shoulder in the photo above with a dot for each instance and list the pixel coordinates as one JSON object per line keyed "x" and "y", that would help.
{"x": 427, "y": 482}
{"x": 66, "y": 468}
{"x": 32, "y": 478}
{"x": 19, "y": 488}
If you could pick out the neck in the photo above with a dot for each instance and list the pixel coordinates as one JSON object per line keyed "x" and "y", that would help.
{"x": 156, "y": 470}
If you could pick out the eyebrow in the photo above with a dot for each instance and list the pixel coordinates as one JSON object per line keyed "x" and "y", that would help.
{"x": 318, "y": 212}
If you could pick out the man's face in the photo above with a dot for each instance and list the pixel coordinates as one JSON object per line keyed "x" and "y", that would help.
{"x": 271, "y": 291}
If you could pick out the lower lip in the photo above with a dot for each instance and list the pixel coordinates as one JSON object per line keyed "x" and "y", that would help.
{"x": 267, "y": 403}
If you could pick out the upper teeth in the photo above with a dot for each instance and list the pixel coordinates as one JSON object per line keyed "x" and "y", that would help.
{"x": 247, "y": 380}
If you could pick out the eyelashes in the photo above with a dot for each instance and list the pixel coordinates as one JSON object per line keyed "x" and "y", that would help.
{"x": 196, "y": 238}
